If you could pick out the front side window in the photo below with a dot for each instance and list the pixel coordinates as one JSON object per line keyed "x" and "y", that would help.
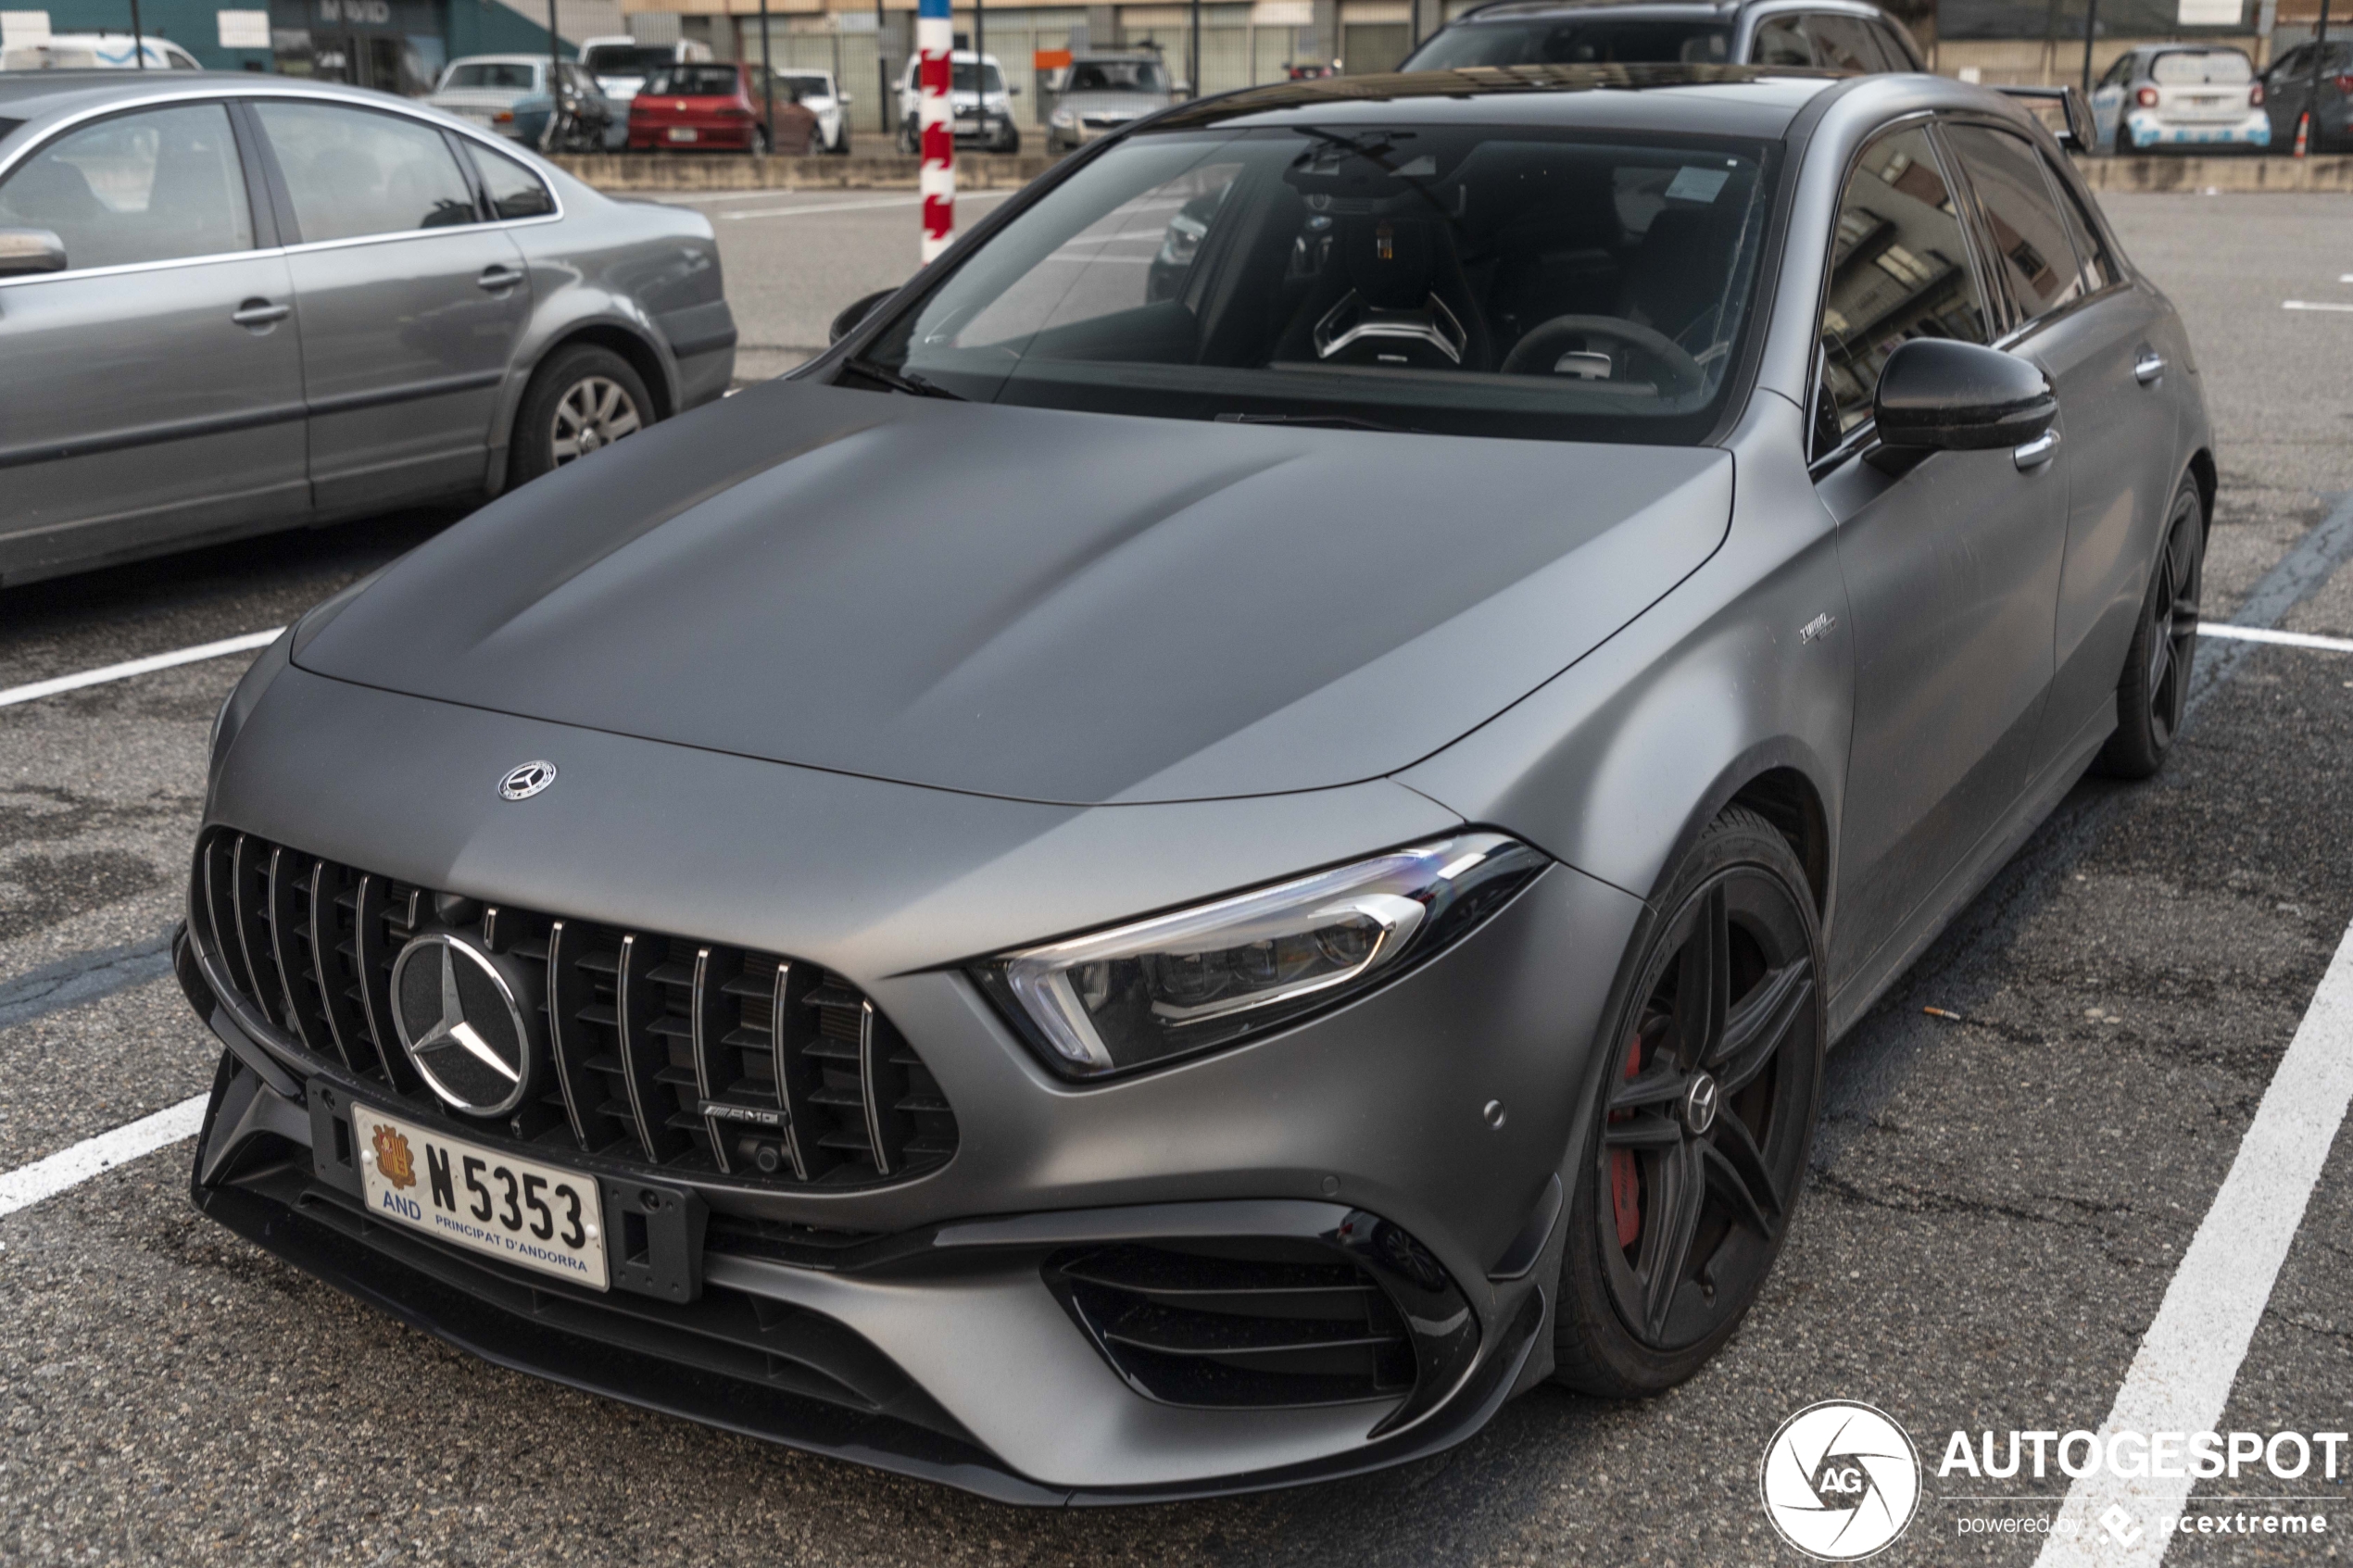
{"x": 152, "y": 187}
{"x": 515, "y": 192}
{"x": 2037, "y": 258}
{"x": 1899, "y": 270}
{"x": 352, "y": 173}
{"x": 2120, "y": 73}
{"x": 1474, "y": 280}
{"x": 1595, "y": 41}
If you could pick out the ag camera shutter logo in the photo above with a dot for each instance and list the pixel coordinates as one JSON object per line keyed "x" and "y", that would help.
{"x": 1840, "y": 1480}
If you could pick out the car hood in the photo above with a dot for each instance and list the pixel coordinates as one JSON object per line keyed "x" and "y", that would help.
{"x": 1133, "y": 105}
{"x": 1047, "y": 606}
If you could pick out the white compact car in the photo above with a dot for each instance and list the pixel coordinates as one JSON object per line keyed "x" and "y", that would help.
{"x": 2161, "y": 96}
{"x": 817, "y": 93}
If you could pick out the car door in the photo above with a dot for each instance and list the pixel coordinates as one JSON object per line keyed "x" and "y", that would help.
{"x": 411, "y": 309}
{"x": 152, "y": 389}
{"x": 2092, "y": 335}
{"x": 2107, "y": 100}
{"x": 1952, "y": 562}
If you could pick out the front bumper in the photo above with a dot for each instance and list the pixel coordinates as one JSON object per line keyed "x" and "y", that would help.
{"x": 2144, "y": 129}
{"x": 934, "y": 1340}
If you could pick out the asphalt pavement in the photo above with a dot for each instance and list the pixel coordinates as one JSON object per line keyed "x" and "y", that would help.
{"x": 2000, "y": 1198}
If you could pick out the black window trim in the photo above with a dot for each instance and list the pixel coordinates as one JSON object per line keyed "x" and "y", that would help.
{"x": 2021, "y": 325}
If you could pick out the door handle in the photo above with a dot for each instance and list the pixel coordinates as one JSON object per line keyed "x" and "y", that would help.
{"x": 2037, "y": 452}
{"x": 496, "y": 277}
{"x": 2147, "y": 367}
{"x": 260, "y": 313}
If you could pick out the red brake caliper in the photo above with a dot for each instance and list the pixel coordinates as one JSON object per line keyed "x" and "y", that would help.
{"x": 1625, "y": 1176}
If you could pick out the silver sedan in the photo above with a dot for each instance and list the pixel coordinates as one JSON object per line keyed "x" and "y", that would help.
{"x": 231, "y": 305}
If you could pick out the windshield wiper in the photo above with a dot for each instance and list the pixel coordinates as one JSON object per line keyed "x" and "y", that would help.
{"x": 1319, "y": 421}
{"x": 907, "y": 382}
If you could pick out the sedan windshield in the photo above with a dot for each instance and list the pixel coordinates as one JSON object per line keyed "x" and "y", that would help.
{"x": 693, "y": 81}
{"x": 1117, "y": 76}
{"x": 1624, "y": 40}
{"x": 2184, "y": 67}
{"x": 1477, "y": 279}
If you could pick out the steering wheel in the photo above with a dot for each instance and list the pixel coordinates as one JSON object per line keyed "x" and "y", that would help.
{"x": 1542, "y": 344}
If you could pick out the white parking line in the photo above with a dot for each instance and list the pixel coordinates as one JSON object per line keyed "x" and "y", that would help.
{"x": 139, "y": 667}
{"x": 2265, "y": 635}
{"x": 2181, "y": 1378}
{"x": 28, "y": 1184}
{"x": 2312, "y": 305}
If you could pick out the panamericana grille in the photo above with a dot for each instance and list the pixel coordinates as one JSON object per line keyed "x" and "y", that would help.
{"x": 687, "y": 1055}
{"x": 1259, "y": 1324}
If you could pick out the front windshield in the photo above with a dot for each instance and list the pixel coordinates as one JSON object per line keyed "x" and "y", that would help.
{"x": 626, "y": 59}
{"x": 1507, "y": 281}
{"x": 967, "y": 78}
{"x": 1623, "y": 41}
{"x": 505, "y": 74}
{"x": 1117, "y": 76}
{"x": 806, "y": 86}
{"x": 2218, "y": 65}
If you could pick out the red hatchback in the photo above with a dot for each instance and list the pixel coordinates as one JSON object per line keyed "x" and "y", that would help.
{"x": 716, "y": 109}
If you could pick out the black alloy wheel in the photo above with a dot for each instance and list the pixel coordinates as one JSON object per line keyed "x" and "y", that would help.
{"x": 2154, "y": 693}
{"x": 1707, "y": 1115}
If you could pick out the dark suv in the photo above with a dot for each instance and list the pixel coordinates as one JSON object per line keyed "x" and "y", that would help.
{"x": 1839, "y": 34}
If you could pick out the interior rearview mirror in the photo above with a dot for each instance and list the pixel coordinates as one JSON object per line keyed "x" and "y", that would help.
{"x": 855, "y": 312}
{"x": 1938, "y": 395}
{"x": 31, "y": 250}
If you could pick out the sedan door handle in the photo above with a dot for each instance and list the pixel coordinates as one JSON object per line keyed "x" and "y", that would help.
{"x": 2037, "y": 452}
{"x": 2147, "y": 367}
{"x": 495, "y": 278}
{"x": 260, "y": 313}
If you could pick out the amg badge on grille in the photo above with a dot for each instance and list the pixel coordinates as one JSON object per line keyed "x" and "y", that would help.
{"x": 521, "y": 783}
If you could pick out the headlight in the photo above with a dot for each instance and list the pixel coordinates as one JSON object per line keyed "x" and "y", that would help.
{"x": 1064, "y": 119}
{"x": 1169, "y": 987}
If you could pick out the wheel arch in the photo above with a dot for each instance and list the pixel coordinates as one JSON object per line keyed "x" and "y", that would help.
{"x": 2202, "y": 470}
{"x": 652, "y": 368}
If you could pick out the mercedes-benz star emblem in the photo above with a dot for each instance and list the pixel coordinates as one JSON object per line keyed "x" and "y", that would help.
{"x": 460, "y": 1024}
{"x": 1699, "y": 1104}
{"x": 521, "y": 783}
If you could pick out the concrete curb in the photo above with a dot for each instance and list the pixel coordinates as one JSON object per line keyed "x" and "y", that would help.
{"x": 720, "y": 172}
{"x": 2221, "y": 174}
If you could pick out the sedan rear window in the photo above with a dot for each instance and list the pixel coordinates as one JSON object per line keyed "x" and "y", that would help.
{"x": 508, "y": 75}
{"x": 1621, "y": 41}
{"x": 627, "y": 59}
{"x": 1475, "y": 279}
{"x": 2184, "y": 67}
{"x": 693, "y": 81}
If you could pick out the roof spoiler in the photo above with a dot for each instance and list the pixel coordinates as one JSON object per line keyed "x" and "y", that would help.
{"x": 2077, "y": 135}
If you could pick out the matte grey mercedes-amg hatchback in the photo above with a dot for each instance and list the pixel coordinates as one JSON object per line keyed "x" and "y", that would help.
{"x": 1235, "y": 830}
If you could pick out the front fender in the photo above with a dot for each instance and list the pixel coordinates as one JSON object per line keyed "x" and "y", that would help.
{"x": 1616, "y": 765}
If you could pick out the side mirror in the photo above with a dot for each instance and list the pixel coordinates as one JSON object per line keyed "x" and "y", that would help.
{"x": 845, "y": 100}
{"x": 856, "y": 312}
{"x": 1938, "y": 395}
{"x": 1013, "y": 90}
{"x": 31, "y": 250}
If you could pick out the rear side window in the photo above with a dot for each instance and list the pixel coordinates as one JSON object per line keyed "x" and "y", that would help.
{"x": 2037, "y": 258}
{"x": 2099, "y": 267}
{"x": 1899, "y": 270}
{"x": 515, "y": 192}
{"x": 1845, "y": 43}
{"x": 153, "y": 186}
{"x": 1780, "y": 41}
{"x": 351, "y": 172}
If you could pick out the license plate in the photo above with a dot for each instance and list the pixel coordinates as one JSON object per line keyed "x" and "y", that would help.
{"x": 682, "y": 132}
{"x": 480, "y": 1199}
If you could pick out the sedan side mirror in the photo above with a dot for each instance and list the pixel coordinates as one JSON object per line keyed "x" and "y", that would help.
{"x": 31, "y": 250}
{"x": 1938, "y": 395}
{"x": 856, "y": 312}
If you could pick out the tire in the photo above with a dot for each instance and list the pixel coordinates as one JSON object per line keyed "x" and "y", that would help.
{"x": 2152, "y": 693}
{"x": 910, "y": 139}
{"x": 760, "y": 146}
{"x": 2124, "y": 147}
{"x": 582, "y": 379}
{"x": 1701, "y": 1135}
